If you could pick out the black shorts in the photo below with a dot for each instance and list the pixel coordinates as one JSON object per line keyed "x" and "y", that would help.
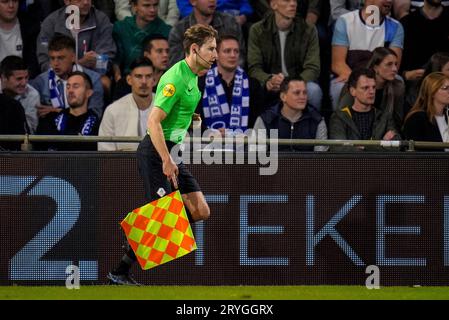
{"x": 150, "y": 168}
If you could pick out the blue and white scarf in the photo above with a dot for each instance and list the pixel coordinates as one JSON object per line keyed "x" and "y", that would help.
{"x": 217, "y": 112}
{"x": 57, "y": 96}
{"x": 86, "y": 129}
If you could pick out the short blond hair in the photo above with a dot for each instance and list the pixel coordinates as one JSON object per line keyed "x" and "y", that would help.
{"x": 198, "y": 34}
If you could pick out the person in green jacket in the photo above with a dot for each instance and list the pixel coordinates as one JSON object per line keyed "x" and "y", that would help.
{"x": 361, "y": 120}
{"x": 130, "y": 33}
{"x": 284, "y": 44}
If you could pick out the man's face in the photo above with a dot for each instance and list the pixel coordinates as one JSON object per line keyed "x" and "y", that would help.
{"x": 205, "y": 7}
{"x": 8, "y": 10}
{"x": 158, "y": 54}
{"x": 16, "y": 83}
{"x": 228, "y": 54}
{"x": 83, "y": 5}
{"x": 62, "y": 61}
{"x": 207, "y": 53}
{"x": 146, "y": 10}
{"x": 383, "y": 5}
{"x": 77, "y": 92}
{"x": 141, "y": 81}
{"x": 286, "y": 8}
{"x": 296, "y": 95}
{"x": 365, "y": 91}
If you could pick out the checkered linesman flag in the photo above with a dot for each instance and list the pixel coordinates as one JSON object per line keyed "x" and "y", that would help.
{"x": 159, "y": 231}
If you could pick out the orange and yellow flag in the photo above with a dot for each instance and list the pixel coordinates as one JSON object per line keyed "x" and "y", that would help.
{"x": 159, "y": 231}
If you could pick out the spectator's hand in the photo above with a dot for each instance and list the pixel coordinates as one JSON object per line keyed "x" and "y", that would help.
{"x": 117, "y": 72}
{"x": 89, "y": 60}
{"x": 311, "y": 18}
{"x": 202, "y": 72}
{"x": 343, "y": 77}
{"x": 241, "y": 20}
{"x": 196, "y": 121}
{"x": 414, "y": 74}
{"x": 275, "y": 81}
{"x": 43, "y": 110}
{"x": 389, "y": 135}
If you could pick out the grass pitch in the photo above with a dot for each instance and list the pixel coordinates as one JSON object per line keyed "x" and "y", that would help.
{"x": 87, "y": 292}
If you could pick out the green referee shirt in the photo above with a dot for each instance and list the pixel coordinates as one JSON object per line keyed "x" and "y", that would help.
{"x": 177, "y": 95}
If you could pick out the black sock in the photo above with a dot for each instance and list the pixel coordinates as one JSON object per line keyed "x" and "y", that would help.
{"x": 126, "y": 263}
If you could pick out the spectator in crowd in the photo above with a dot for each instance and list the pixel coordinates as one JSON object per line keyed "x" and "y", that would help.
{"x": 231, "y": 100}
{"x": 293, "y": 117}
{"x": 18, "y": 33}
{"x": 14, "y": 76}
{"x": 51, "y": 84}
{"x": 94, "y": 37}
{"x": 389, "y": 89}
{"x": 155, "y": 49}
{"x": 356, "y": 35}
{"x": 428, "y": 119}
{"x": 439, "y": 62}
{"x": 204, "y": 12}
{"x": 362, "y": 121}
{"x": 12, "y": 121}
{"x": 240, "y": 9}
{"x": 129, "y": 34}
{"x": 75, "y": 120}
{"x": 167, "y": 10}
{"x": 128, "y": 116}
{"x": 281, "y": 45}
{"x": 426, "y": 31}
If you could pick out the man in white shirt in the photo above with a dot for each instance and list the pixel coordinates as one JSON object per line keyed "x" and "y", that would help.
{"x": 10, "y": 37}
{"x": 128, "y": 115}
{"x": 14, "y": 76}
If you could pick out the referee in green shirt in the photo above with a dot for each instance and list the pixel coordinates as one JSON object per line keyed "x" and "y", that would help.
{"x": 177, "y": 97}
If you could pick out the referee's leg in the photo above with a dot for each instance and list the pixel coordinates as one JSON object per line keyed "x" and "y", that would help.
{"x": 197, "y": 205}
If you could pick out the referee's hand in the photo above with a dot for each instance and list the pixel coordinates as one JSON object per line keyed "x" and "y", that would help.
{"x": 171, "y": 171}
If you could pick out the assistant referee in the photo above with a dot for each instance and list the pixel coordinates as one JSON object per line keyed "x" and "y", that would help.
{"x": 176, "y": 99}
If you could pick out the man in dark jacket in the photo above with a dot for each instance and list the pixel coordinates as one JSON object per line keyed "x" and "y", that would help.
{"x": 281, "y": 45}
{"x": 362, "y": 121}
{"x": 94, "y": 38}
{"x": 76, "y": 120}
{"x": 293, "y": 118}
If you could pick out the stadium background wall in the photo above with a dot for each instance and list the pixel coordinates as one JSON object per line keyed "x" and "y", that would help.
{"x": 322, "y": 219}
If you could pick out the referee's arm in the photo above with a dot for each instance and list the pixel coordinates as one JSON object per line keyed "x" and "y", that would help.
{"x": 157, "y": 115}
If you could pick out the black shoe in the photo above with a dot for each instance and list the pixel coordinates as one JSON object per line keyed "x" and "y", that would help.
{"x": 122, "y": 279}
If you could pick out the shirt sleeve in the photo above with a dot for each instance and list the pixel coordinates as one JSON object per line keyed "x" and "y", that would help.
{"x": 340, "y": 37}
{"x": 167, "y": 94}
{"x": 398, "y": 40}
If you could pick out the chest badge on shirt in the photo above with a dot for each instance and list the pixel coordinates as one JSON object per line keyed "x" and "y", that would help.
{"x": 169, "y": 90}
